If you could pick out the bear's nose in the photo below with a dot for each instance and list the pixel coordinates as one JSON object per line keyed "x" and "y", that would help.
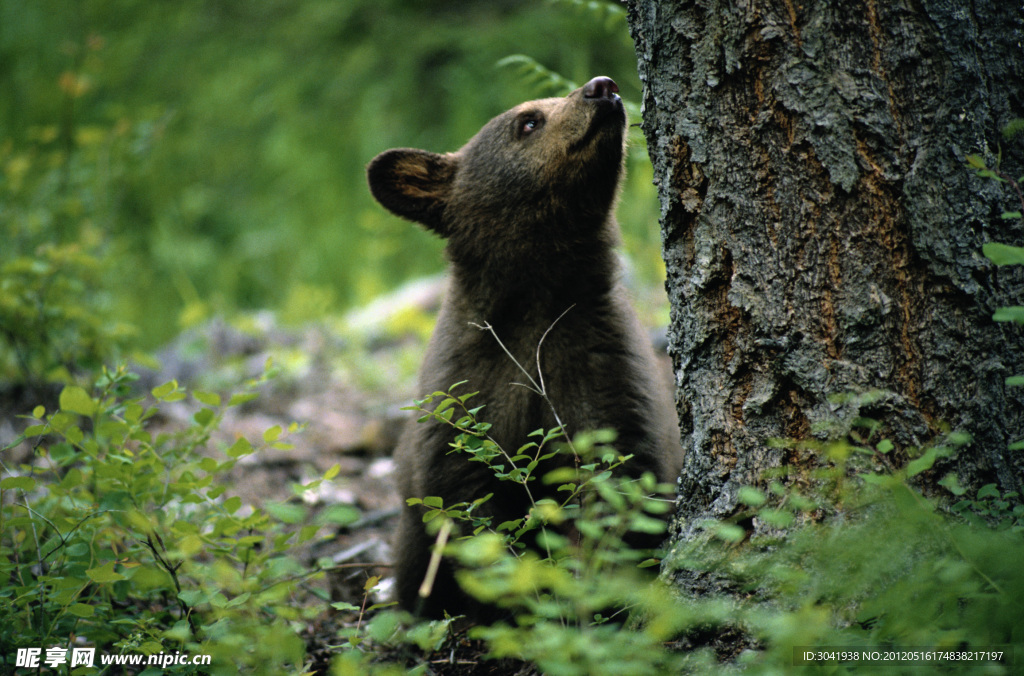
{"x": 600, "y": 87}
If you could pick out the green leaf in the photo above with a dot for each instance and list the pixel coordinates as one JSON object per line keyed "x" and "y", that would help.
{"x": 884, "y": 446}
{"x": 104, "y": 574}
{"x": 751, "y": 496}
{"x": 242, "y": 398}
{"x": 880, "y": 479}
{"x": 988, "y": 491}
{"x": 952, "y": 484}
{"x": 444, "y": 406}
{"x": 306, "y": 533}
{"x": 433, "y": 501}
{"x": 61, "y": 420}
{"x": 193, "y": 597}
{"x": 1008, "y": 215}
{"x": 74, "y": 435}
{"x": 1003, "y": 254}
{"x": 1014, "y": 313}
{"x": 988, "y": 173}
{"x": 208, "y": 398}
{"x": 208, "y": 464}
{"x": 729, "y": 532}
{"x": 239, "y": 448}
{"x": 461, "y": 382}
{"x": 975, "y": 162}
{"x": 641, "y": 523}
{"x": 343, "y": 606}
{"x": 561, "y": 475}
{"x": 273, "y": 434}
{"x": 251, "y": 540}
{"x": 25, "y": 483}
{"x": 959, "y": 438}
{"x": 923, "y": 463}
{"x": 341, "y": 515}
{"x": 203, "y": 416}
{"x": 161, "y": 391}
{"x": 1012, "y": 128}
{"x": 81, "y": 610}
{"x": 74, "y": 399}
{"x": 1015, "y": 381}
{"x": 779, "y": 518}
{"x": 286, "y": 512}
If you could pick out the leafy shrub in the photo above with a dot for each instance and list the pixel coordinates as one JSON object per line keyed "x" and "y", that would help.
{"x": 126, "y": 538}
{"x": 858, "y": 557}
{"x": 887, "y": 567}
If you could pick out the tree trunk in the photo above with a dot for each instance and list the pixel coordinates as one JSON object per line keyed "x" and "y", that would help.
{"x": 822, "y": 233}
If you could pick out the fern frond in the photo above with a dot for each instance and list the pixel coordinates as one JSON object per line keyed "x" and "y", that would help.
{"x": 611, "y": 16}
{"x": 544, "y": 80}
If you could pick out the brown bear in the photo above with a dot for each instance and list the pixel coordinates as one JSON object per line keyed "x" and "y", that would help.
{"x": 526, "y": 209}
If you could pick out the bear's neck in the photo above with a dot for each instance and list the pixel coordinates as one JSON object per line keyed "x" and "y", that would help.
{"x": 503, "y": 281}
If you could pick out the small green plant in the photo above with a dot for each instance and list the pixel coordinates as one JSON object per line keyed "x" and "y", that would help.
{"x": 858, "y": 557}
{"x": 124, "y": 537}
{"x": 1005, "y": 254}
{"x": 1000, "y": 510}
{"x": 570, "y": 597}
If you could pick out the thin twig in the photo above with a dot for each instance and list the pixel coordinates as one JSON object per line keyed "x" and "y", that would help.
{"x": 172, "y": 570}
{"x": 435, "y": 559}
{"x": 540, "y": 343}
{"x": 486, "y": 326}
{"x": 538, "y": 388}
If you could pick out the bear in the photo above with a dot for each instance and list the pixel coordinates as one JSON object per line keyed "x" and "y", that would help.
{"x": 526, "y": 209}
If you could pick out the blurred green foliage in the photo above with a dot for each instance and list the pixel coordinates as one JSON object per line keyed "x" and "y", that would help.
{"x": 212, "y": 153}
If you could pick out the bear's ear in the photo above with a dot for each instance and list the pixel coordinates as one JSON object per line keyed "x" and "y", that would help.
{"x": 413, "y": 184}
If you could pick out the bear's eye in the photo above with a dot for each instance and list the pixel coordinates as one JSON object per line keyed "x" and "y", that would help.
{"x": 530, "y": 124}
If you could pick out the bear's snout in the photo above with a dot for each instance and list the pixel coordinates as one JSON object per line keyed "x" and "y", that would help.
{"x": 601, "y": 87}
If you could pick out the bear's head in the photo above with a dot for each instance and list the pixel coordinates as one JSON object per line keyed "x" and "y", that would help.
{"x": 544, "y": 170}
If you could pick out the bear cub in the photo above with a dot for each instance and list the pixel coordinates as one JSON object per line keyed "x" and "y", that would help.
{"x": 526, "y": 209}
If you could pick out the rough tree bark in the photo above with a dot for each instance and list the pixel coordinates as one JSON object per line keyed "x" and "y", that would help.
{"x": 821, "y": 232}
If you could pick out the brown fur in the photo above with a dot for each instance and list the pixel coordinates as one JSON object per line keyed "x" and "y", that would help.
{"x": 527, "y": 214}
